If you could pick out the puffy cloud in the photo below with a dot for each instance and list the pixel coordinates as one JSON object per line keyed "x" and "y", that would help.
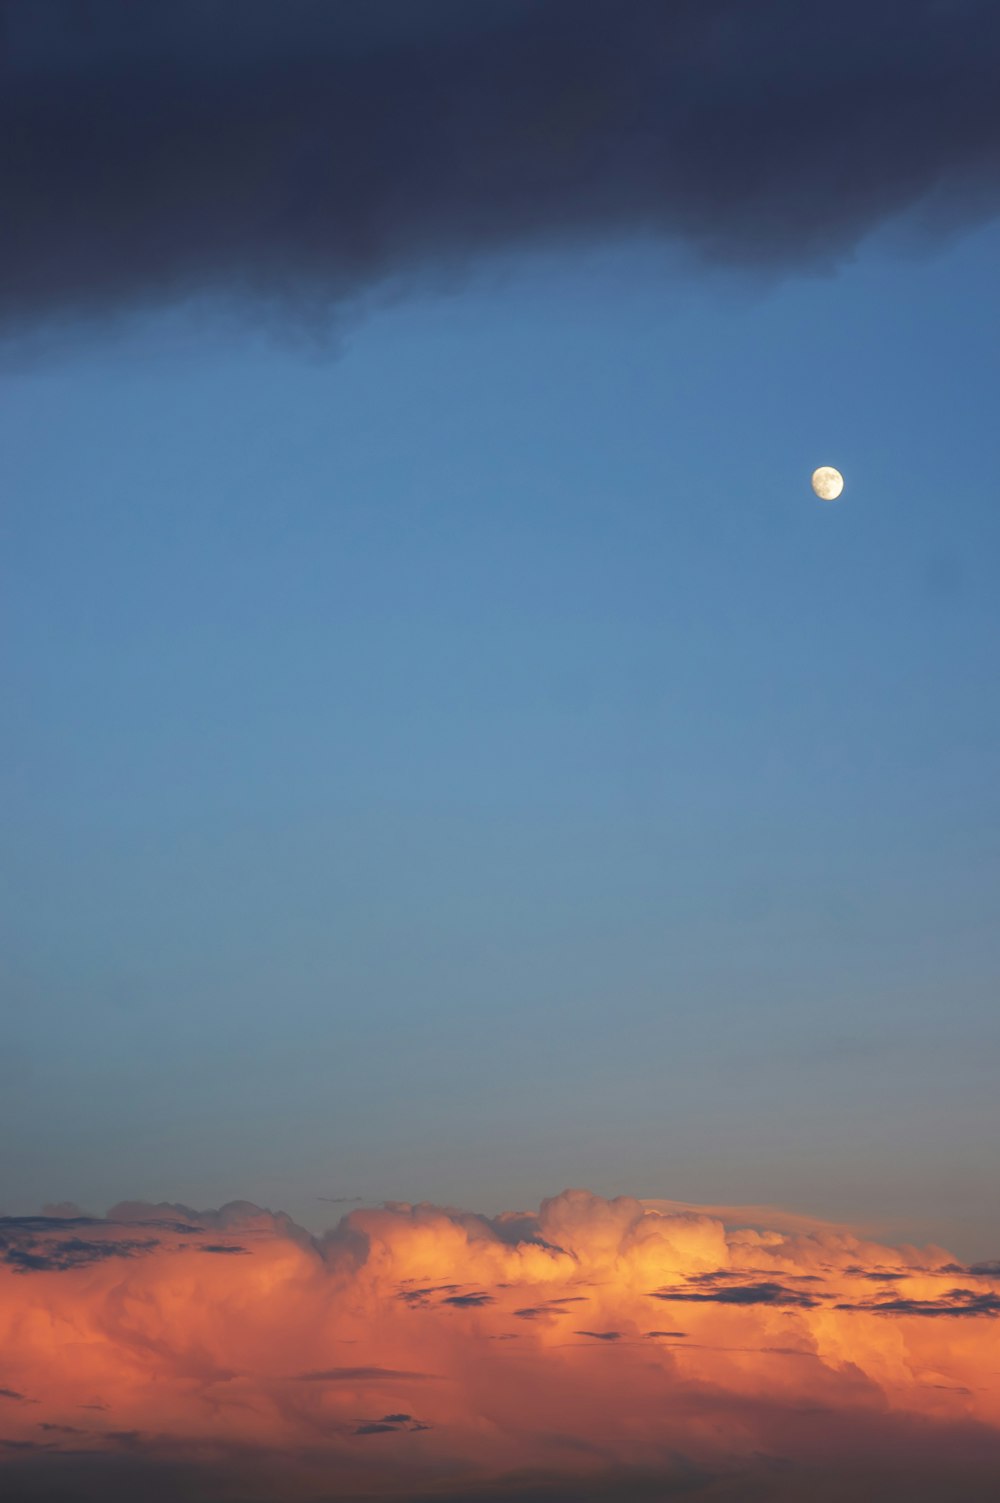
{"x": 298, "y": 154}
{"x": 413, "y": 1343}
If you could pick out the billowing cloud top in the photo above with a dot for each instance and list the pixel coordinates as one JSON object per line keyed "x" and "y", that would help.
{"x": 297, "y": 153}
{"x": 413, "y": 1346}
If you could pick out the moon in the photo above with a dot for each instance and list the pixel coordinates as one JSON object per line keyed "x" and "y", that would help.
{"x": 827, "y": 482}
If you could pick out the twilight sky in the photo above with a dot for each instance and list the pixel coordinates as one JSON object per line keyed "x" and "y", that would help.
{"x": 449, "y": 752}
{"x": 499, "y": 893}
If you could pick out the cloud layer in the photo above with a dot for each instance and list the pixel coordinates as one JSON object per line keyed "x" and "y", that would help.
{"x": 298, "y": 154}
{"x": 417, "y": 1350}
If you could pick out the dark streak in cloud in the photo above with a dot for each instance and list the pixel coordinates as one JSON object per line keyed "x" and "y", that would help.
{"x": 743, "y": 1294}
{"x": 421, "y": 1298}
{"x": 361, "y": 1375}
{"x": 550, "y": 1307}
{"x": 602, "y": 1335}
{"x": 66, "y": 1253}
{"x": 296, "y": 155}
{"x": 392, "y": 1424}
{"x": 955, "y": 1302}
{"x": 467, "y": 1301}
{"x": 720, "y": 1275}
{"x": 13, "y": 1224}
{"x": 215, "y": 1247}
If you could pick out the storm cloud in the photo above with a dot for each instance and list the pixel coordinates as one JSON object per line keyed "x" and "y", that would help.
{"x": 379, "y": 1354}
{"x": 295, "y": 156}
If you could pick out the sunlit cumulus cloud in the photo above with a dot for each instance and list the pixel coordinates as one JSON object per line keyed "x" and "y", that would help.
{"x": 420, "y": 1351}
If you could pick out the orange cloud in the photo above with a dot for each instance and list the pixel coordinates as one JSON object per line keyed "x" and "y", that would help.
{"x": 415, "y": 1347}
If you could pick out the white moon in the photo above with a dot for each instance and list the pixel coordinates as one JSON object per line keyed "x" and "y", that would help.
{"x": 827, "y": 482}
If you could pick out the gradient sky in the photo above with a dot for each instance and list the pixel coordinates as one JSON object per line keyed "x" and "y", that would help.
{"x": 451, "y": 754}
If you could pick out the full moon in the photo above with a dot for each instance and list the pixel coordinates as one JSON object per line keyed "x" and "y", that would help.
{"x": 827, "y": 482}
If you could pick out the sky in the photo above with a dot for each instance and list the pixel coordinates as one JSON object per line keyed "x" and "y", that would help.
{"x": 467, "y": 756}
{"x": 450, "y": 753}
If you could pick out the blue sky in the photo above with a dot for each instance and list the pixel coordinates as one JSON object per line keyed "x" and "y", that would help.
{"x": 458, "y": 756}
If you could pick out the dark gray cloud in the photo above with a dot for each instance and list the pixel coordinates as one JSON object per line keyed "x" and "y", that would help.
{"x": 26, "y": 1250}
{"x": 550, "y": 1307}
{"x": 955, "y": 1302}
{"x": 391, "y": 1424}
{"x": 360, "y": 1375}
{"x": 767, "y": 1293}
{"x": 41, "y": 1224}
{"x": 422, "y": 1297}
{"x": 296, "y": 154}
{"x": 55, "y": 1244}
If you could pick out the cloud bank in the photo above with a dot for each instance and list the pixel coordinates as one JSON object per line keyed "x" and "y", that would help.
{"x": 419, "y": 1351}
{"x": 295, "y": 155}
